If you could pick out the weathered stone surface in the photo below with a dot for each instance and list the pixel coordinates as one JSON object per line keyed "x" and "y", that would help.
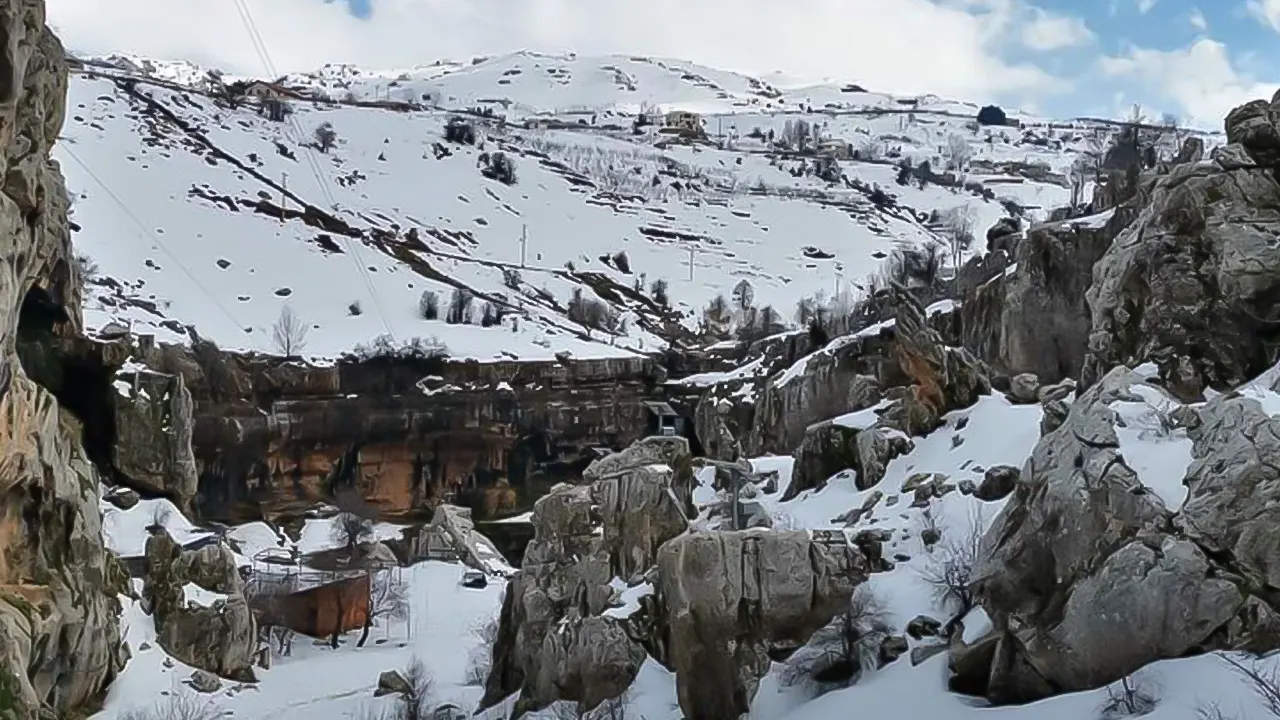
{"x": 553, "y": 643}
{"x": 220, "y": 638}
{"x": 726, "y": 594}
{"x": 153, "y": 423}
{"x": 1233, "y": 502}
{"x": 1044, "y": 322}
{"x": 59, "y": 632}
{"x": 1084, "y": 573}
{"x": 1191, "y": 283}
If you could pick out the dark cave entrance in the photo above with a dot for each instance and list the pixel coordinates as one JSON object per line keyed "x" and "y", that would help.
{"x": 73, "y": 373}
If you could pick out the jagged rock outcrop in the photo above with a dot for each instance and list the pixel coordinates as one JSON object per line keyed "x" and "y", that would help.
{"x": 1088, "y": 576}
{"x": 553, "y": 642}
{"x": 59, "y": 628}
{"x": 829, "y": 448}
{"x": 1044, "y": 322}
{"x": 153, "y": 424}
{"x": 219, "y": 636}
{"x": 725, "y": 596}
{"x": 1192, "y": 283}
{"x": 411, "y": 426}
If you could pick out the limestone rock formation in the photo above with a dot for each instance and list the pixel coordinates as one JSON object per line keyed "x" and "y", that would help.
{"x": 553, "y": 642}
{"x": 1191, "y": 283}
{"x": 59, "y": 633}
{"x": 218, "y": 637}
{"x": 725, "y": 596}
{"x": 153, "y": 421}
{"x": 1088, "y": 576}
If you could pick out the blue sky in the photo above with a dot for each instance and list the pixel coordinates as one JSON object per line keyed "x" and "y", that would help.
{"x": 1194, "y": 58}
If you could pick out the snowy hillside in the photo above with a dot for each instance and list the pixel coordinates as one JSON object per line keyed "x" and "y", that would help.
{"x": 177, "y": 201}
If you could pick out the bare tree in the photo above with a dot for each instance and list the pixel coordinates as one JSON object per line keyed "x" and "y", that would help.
{"x": 388, "y": 598}
{"x": 1133, "y": 696}
{"x": 460, "y": 304}
{"x": 429, "y": 305}
{"x": 950, "y": 568}
{"x": 1082, "y": 168}
{"x": 660, "y": 292}
{"x": 325, "y": 137}
{"x": 480, "y": 659}
{"x": 180, "y": 704}
{"x": 743, "y": 295}
{"x": 354, "y": 522}
{"x": 848, "y": 647}
{"x": 1264, "y": 679}
{"x": 959, "y": 231}
{"x": 958, "y": 152}
{"x": 289, "y": 333}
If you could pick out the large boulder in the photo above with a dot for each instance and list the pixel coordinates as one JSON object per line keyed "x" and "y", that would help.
{"x": 153, "y": 421}
{"x": 1191, "y": 283}
{"x": 726, "y": 596}
{"x": 1084, "y": 573}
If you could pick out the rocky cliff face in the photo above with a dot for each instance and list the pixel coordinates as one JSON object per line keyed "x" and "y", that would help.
{"x": 266, "y": 435}
{"x": 1192, "y": 283}
{"x": 59, "y": 634}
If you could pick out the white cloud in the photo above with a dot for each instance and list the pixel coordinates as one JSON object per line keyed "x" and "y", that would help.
{"x": 1266, "y": 12}
{"x": 1144, "y": 6}
{"x": 1198, "y": 21}
{"x": 1047, "y": 32}
{"x": 1199, "y": 78}
{"x": 950, "y": 47}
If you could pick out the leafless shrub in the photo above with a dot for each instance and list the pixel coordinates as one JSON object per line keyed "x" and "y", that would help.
{"x": 950, "y": 566}
{"x": 511, "y": 278}
{"x": 1213, "y": 711}
{"x": 460, "y": 303}
{"x": 417, "y": 703}
{"x": 1263, "y": 678}
{"x": 958, "y": 229}
{"x": 1133, "y": 696}
{"x": 325, "y": 137}
{"x": 179, "y": 704}
{"x": 480, "y": 659}
{"x": 161, "y": 512}
{"x": 388, "y": 598}
{"x": 592, "y": 313}
{"x": 355, "y": 309}
{"x": 848, "y": 647}
{"x": 86, "y": 268}
{"x": 289, "y": 333}
{"x": 354, "y": 522}
{"x": 659, "y": 291}
{"x": 958, "y": 152}
{"x": 429, "y": 305}
{"x": 717, "y": 317}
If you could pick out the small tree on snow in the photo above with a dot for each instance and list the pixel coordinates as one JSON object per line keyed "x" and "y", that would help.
{"x": 326, "y": 137}
{"x": 958, "y": 152}
{"x": 388, "y": 598}
{"x": 959, "y": 231}
{"x": 289, "y": 333}
{"x": 843, "y": 651}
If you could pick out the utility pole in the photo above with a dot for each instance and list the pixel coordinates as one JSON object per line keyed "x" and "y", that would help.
{"x": 691, "y": 251}
{"x": 284, "y": 194}
{"x": 524, "y": 243}
{"x": 736, "y": 481}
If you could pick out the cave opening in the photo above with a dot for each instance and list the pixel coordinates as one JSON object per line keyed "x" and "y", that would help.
{"x": 75, "y": 375}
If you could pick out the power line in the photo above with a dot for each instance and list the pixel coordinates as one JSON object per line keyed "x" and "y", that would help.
{"x": 260, "y": 47}
{"x": 147, "y": 230}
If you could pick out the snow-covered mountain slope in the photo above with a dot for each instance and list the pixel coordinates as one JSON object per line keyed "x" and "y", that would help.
{"x": 177, "y": 196}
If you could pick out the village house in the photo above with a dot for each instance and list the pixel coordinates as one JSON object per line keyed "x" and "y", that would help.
{"x": 264, "y": 91}
{"x": 683, "y": 122}
{"x": 835, "y": 148}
